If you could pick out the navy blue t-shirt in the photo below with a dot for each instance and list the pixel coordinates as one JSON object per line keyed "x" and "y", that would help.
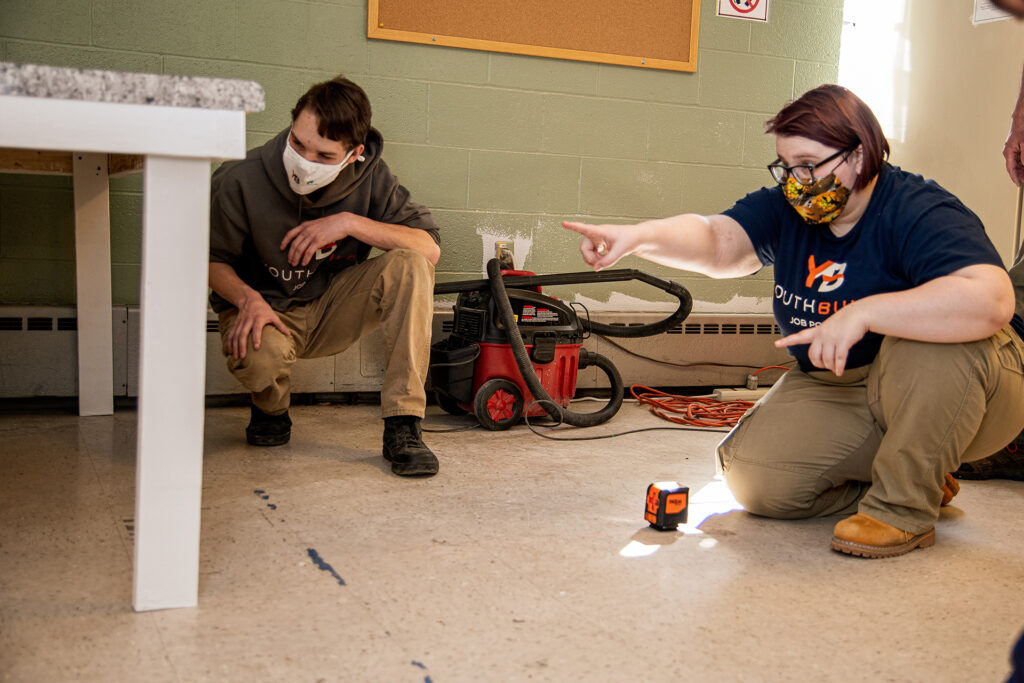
{"x": 912, "y": 231}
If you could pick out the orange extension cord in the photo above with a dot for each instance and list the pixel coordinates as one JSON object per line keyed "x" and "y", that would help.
{"x": 694, "y": 411}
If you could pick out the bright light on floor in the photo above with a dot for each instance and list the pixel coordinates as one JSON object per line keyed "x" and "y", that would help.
{"x": 714, "y": 498}
{"x": 638, "y": 549}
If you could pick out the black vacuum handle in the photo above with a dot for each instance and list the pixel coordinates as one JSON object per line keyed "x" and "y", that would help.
{"x": 585, "y": 277}
{"x": 651, "y": 329}
{"x": 588, "y": 277}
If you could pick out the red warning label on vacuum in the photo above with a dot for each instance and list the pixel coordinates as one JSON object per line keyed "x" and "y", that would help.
{"x": 538, "y": 315}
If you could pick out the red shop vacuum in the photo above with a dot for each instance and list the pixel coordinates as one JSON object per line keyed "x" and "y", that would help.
{"x": 514, "y": 349}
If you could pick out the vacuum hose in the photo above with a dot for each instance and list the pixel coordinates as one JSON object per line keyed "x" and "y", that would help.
{"x": 650, "y": 329}
{"x": 587, "y": 358}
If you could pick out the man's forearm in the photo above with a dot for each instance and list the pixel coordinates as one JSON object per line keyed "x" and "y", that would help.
{"x": 226, "y": 283}
{"x": 388, "y": 236}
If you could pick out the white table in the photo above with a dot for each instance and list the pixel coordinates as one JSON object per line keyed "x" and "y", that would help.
{"x": 175, "y": 126}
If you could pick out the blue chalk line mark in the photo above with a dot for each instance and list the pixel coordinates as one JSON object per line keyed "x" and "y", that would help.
{"x": 265, "y": 497}
{"x": 426, "y": 679}
{"x": 258, "y": 491}
{"x": 271, "y": 506}
{"x": 323, "y": 566}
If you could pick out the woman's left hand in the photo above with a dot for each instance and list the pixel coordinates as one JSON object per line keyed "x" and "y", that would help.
{"x": 830, "y": 341}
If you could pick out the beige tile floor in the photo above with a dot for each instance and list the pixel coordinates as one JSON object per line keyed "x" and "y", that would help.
{"x": 523, "y": 560}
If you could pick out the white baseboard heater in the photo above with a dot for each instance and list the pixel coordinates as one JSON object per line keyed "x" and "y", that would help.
{"x": 38, "y": 354}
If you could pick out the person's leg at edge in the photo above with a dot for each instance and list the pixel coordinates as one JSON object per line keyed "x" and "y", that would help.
{"x": 1017, "y": 278}
{"x": 1008, "y": 461}
{"x": 1017, "y": 661}
{"x": 395, "y": 292}
{"x": 938, "y": 405}
{"x": 805, "y": 449}
{"x": 266, "y": 373}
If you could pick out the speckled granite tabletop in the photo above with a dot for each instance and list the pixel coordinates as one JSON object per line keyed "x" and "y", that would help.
{"x": 31, "y": 80}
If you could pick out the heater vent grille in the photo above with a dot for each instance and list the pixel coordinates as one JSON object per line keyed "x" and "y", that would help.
{"x": 704, "y": 350}
{"x": 724, "y": 328}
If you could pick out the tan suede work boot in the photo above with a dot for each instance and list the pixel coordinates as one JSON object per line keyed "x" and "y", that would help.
{"x": 865, "y": 536}
{"x": 949, "y": 489}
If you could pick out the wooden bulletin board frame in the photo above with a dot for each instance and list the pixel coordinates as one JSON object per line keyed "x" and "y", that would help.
{"x": 653, "y": 34}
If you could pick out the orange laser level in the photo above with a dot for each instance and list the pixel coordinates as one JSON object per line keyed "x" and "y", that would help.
{"x": 666, "y": 505}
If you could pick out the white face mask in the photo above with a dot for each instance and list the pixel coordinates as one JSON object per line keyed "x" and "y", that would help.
{"x": 305, "y": 176}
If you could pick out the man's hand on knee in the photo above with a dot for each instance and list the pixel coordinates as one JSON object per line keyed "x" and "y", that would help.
{"x": 253, "y": 315}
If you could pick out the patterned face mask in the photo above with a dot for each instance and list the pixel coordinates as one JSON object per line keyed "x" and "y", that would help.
{"x": 819, "y": 202}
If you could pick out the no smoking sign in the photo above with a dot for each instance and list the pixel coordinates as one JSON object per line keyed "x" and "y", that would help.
{"x": 754, "y": 10}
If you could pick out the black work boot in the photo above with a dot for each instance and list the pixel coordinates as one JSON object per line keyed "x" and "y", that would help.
{"x": 1005, "y": 464}
{"x": 404, "y": 447}
{"x": 268, "y": 430}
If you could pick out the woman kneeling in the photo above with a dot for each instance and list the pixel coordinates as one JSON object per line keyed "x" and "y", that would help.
{"x": 897, "y": 309}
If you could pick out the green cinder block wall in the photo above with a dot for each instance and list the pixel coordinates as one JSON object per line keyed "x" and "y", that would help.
{"x": 500, "y": 146}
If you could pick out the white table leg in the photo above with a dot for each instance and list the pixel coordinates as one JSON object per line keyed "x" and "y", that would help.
{"x": 172, "y": 357}
{"x": 92, "y": 258}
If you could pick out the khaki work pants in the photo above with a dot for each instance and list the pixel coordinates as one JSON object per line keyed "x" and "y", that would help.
{"x": 1017, "y": 278}
{"x": 393, "y": 291}
{"x": 879, "y": 439}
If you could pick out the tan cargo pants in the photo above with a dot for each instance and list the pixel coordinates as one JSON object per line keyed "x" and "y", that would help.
{"x": 1017, "y": 278}
{"x": 879, "y": 439}
{"x": 393, "y": 291}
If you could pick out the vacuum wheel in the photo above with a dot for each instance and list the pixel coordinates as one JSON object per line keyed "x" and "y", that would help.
{"x": 449, "y": 404}
{"x": 498, "y": 404}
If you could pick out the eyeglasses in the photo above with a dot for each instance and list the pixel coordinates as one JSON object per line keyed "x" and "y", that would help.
{"x": 804, "y": 173}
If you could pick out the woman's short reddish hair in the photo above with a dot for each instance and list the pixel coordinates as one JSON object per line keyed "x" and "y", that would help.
{"x": 834, "y": 116}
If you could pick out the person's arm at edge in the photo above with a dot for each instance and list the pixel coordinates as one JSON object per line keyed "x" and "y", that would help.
{"x": 716, "y": 246}
{"x": 1013, "y": 150}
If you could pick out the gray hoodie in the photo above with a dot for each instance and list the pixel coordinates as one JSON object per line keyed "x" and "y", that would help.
{"x": 252, "y": 207}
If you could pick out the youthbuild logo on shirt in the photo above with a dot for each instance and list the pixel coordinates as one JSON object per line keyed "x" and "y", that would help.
{"x": 296, "y": 278}
{"x": 830, "y": 272}
{"x": 826, "y": 277}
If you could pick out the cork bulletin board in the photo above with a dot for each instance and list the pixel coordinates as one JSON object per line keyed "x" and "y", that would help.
{"x": 653, "y": 34}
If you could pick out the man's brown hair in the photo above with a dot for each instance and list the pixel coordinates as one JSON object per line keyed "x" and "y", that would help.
{"x": 341, "y": 108}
